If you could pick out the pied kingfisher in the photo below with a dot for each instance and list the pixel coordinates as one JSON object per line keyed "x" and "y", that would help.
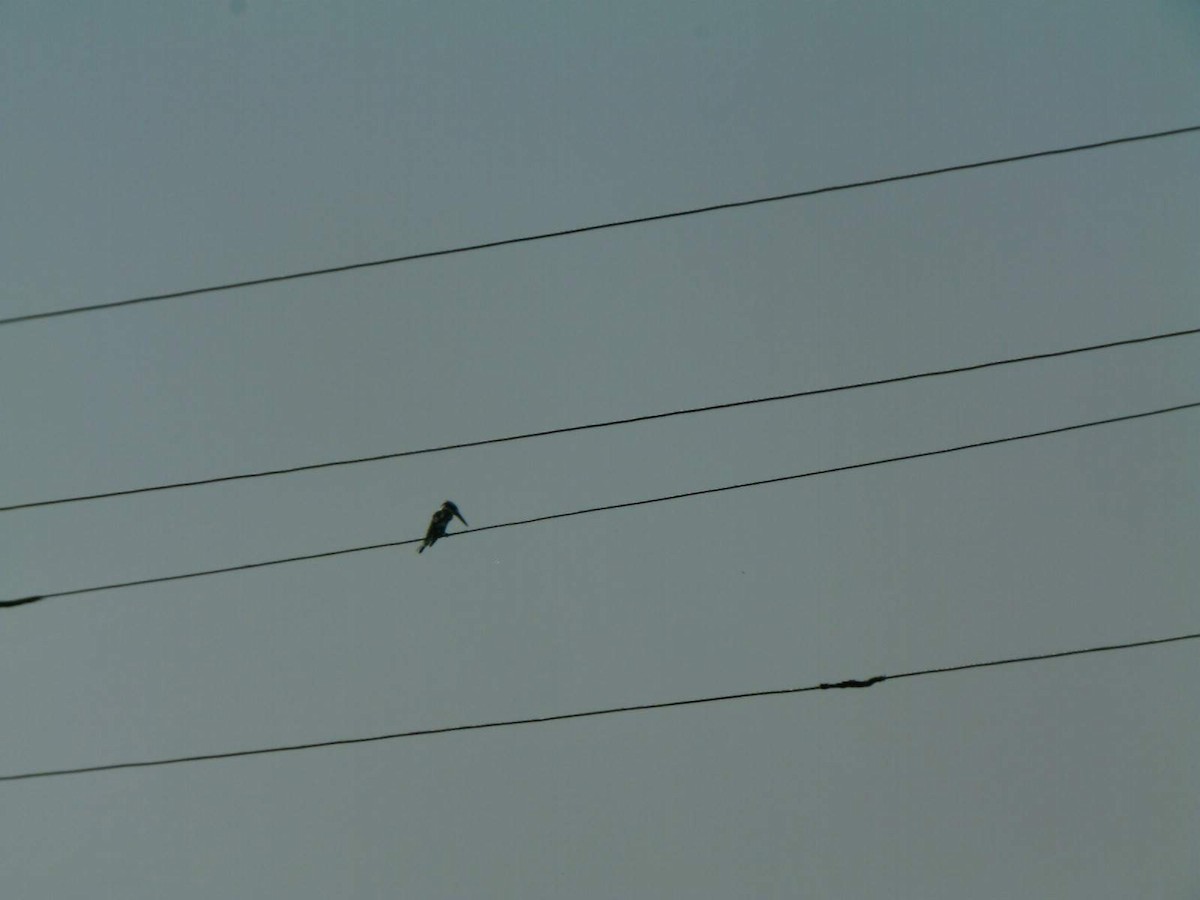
{"x": 437, "y": 525}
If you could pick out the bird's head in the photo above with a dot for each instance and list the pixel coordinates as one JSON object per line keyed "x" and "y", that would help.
{"x": 450, "y": 507}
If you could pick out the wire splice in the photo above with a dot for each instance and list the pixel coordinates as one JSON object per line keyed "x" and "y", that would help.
{"x": 538, "y": 720}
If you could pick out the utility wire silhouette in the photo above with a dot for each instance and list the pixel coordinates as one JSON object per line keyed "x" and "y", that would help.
{"x": 352, "y": 461}
{"x": 584, "y": 229}
{"x": 591, "y": 713}
{"x": 21, "y": 601}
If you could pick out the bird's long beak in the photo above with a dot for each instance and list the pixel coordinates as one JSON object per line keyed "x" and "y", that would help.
{"x": 458, "y": 515}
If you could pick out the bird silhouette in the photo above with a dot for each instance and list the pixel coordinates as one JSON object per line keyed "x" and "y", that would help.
{"x": 437, "y": 525}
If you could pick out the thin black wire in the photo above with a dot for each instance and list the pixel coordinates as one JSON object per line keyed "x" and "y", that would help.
{"x": 583, "y": 229}
{"x": 611, "y": 506}
{"x": 79, "y": 498}
{"x": 612, "y": 710}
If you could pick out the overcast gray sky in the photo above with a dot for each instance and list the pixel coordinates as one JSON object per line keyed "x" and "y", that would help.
{"x": 151, "y": 147}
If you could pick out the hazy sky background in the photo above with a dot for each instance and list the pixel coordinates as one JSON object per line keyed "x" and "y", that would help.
{"x": 153, "y": 146}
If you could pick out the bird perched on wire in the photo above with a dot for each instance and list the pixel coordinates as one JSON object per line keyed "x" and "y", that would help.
{"x": 437, "y": 525}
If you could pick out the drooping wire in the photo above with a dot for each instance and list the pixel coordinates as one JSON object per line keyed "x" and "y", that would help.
{"x": 584, "y": 229}
{"x": 352, "y": 461}
{"x": 21, "y": 601}
{"x": 591, "y": 713}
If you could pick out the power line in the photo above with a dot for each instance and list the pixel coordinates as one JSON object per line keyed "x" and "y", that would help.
{"x": 591, "y": 713}
{"x": 352, "y": 461}
{"x": 584, "y": 229}
{"x": 21, "y": 601}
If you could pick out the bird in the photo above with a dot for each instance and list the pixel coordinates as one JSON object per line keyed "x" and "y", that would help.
{"x": 437, "y": 525}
